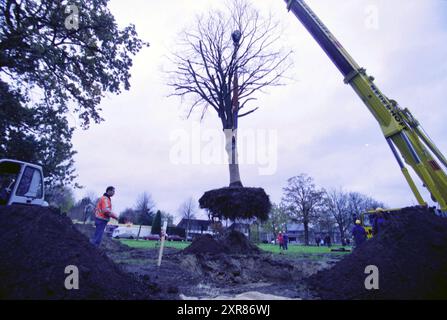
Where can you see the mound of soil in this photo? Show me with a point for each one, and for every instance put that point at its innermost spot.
(38, 244)
(205, 244)
(410, 253)
(237, 243)
(237, 202)
(233, 242)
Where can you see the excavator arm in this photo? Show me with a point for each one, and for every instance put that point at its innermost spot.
(409, 143)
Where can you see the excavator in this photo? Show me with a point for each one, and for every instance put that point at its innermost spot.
(21, 183)
(406, 138)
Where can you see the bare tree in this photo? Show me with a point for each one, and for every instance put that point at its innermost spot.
(188, 210)
(338, 205)
(144, 208)
(223, 61)
(325, 222)
(277, 221)
(359, 203)
(302, 200)
(168, 217)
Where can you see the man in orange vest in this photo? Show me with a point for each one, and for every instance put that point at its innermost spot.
(103, 213)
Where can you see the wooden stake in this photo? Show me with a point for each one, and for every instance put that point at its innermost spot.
(163, 234)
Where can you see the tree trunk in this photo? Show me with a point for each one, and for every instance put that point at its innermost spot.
(187, 231)
(233, 164)
(342, 235)
(306, 233)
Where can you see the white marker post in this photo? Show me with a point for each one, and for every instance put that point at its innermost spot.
(163, 234)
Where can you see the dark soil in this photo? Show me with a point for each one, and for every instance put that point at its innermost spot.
(38, 244)
(232, 264)
(232, 242)
(410, 253)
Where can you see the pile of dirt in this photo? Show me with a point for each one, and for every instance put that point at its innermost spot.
(205, 244)
(410, 253)
(238, 243)
(232, 242)
(37, 246)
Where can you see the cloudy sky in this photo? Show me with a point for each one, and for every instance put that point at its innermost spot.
(315, 125)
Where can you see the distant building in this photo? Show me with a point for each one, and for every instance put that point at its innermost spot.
(196, 227)
(199, 227)
(295, 232)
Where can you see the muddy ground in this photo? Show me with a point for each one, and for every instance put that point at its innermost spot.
(38, 244)
(209, 274)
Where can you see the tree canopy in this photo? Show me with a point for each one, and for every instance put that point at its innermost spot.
(57, 61)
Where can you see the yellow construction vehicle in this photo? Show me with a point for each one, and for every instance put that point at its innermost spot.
(402, 131)
(369, 219)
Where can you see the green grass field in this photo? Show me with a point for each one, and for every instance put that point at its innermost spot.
(154, 244)
(293, 249)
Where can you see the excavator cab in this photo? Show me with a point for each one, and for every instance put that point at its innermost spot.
(21, 183)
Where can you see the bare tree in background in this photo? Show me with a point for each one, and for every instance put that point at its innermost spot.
(338, 206)
(145, 203)
(144, 209)
(302, 200)
(188, 210)
(277, 221)
(223, 61)
(346, 207)
(166, 216)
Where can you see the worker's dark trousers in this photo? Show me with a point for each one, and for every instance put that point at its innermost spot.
(99, 231)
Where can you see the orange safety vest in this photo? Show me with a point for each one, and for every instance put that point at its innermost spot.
(103, 208)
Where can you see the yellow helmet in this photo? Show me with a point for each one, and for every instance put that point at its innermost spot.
(358, 222)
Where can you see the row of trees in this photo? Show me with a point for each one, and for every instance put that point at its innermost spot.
(323, 209)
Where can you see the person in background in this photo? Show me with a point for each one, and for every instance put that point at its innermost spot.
(285, 239)
(103, 213)
(327, 240)
(379, 222)
(359, 233)
(280, 240)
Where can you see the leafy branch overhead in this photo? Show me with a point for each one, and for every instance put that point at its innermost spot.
(48, 71)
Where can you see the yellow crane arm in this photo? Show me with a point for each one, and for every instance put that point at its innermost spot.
(402, 131)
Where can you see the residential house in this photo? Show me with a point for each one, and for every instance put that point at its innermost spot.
(196, 227)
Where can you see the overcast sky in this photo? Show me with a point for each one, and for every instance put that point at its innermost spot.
(315, 125)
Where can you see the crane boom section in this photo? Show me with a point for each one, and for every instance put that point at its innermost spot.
(399, 127)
